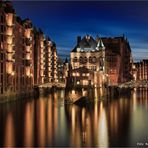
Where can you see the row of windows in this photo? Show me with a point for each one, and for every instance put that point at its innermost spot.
(85, 59)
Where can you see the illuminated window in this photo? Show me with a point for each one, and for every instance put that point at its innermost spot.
(94, 59)
(77, 74)
(78, 82)
(83, 74)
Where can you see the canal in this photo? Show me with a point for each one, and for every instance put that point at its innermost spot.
(47, 121)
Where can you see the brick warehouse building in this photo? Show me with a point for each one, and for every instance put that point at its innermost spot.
(108, 60)
(141, 70)
(22, 54)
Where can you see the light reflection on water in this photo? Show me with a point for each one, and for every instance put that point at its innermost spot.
(47, 121)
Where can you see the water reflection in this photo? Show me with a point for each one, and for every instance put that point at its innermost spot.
(47, 121)
(9, 131)
(29, 124)
(102, 129)
(139, 120)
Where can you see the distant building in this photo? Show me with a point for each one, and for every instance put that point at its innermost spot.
(54, 63)
(60, 70)
(109, 59)
(88, 56)
(66, 70)
(39, 57)
(141, 70)
(118, 59)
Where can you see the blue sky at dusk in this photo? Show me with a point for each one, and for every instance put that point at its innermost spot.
(63, 21)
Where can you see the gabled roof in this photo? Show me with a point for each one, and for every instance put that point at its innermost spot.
(86, 42)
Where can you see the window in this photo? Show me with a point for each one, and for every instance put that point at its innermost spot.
(94, 59)
(80, 59)
(90, 59)
(75, 59)
(85, 60)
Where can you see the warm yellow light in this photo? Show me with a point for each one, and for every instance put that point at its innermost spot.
(9, 19)
(9, 48)
(28, 56)
(9, 68)
(78, 82)
(42, 66)
(49, 49)
(83, 74)
(49, 74)
(73, 92)
(13, 73)
(27, 33)
(85, 82)
(42, 44)
(27, 48)
(9, 39)
(28, 71)
(41, 72)
(9, 56)
(78, 74)
(9, 31)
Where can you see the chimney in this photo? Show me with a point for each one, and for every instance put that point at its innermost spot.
(78, 39)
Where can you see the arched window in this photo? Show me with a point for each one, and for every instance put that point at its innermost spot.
(85, 60)
(75, 59)
(90, 59)
(80, 59)
(94, 59)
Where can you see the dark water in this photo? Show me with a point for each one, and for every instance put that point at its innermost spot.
(47, 121)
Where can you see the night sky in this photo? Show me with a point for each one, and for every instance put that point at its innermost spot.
(64, 21)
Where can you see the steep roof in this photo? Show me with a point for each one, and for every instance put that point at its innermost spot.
(86, 42)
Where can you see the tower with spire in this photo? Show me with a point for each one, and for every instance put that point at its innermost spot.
(101, 48)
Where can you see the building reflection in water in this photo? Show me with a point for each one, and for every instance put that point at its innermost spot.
(88, 124)
(47, 121)
(29, 124)
(139, 120)
(102, 129)
(9, 139)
